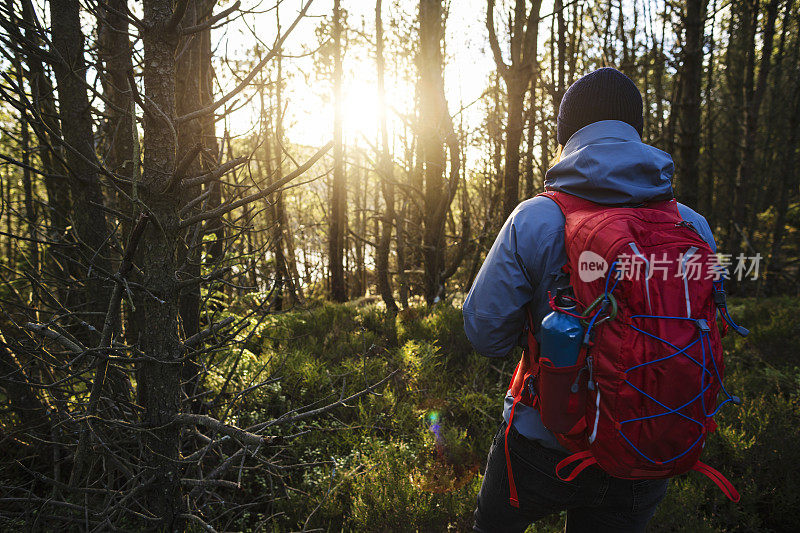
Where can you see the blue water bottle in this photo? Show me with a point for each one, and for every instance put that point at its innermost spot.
(561, 334)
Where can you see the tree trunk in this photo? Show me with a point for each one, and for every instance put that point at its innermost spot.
(48, 134)
(787, 175)
(76, 122)
(283, 232)
(386, 169)
(729, 136)
(358, 288)
(754, 95)
(432, 114)
(558, 8)
(530, 142)
(189, 98)
(516, 122)
(705, 201)
(20, 394)
(688, 171)
(284, 295)
(115, 51)
(121, 135)
(159, 376)
(524, 28)
(31, 217)
(338, 191)
(659, 64)
(9, 257)
(215, 225)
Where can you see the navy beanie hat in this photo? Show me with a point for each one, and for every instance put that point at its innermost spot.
(605, 94)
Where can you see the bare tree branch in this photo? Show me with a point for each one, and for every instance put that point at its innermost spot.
(214, 213)
(252, 74)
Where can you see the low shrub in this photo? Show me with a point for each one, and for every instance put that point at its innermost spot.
(409, 456)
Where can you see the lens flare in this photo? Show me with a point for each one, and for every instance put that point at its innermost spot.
(448, 466)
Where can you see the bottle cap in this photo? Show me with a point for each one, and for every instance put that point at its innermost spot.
(564, 297)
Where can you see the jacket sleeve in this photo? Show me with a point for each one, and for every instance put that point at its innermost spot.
(494, 308)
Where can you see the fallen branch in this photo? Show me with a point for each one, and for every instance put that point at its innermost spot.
(204, 482)
(245, 437)
(199, 521)
(325, 409)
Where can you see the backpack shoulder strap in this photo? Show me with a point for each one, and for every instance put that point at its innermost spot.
(568, 203)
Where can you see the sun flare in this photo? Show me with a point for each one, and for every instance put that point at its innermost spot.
(360, 110)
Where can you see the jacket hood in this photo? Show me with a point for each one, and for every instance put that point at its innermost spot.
(607, 163)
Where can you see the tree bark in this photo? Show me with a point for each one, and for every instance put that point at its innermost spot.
(386, 169)
(115, 51)
(659, 64)
(283, 236)
(121, 134)
(21, 396)
(338, 189)
(688, 170)
(215, 226)
(31, 217)
(76, 123)
(787, 175)
(282, 278)
(432, 114)
(189, 98)
(705, 201)
(517, 75)
(530, 141)
(48, 131)
(754, 95)
(159, 375)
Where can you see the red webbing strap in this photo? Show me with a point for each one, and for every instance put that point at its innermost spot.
(586, 459)
(527, 367)
(518, 372)
(721, 481)
(512, 487)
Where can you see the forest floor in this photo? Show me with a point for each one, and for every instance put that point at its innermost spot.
(409, 456)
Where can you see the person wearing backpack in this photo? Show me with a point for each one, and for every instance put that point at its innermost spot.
(599, 434)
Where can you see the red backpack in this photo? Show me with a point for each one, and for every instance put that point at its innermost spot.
(641, 398)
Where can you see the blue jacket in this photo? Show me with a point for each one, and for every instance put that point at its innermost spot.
(605, 162)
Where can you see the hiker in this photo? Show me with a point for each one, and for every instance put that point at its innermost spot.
(602, 159)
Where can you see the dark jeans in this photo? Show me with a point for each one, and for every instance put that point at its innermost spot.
(594, 501)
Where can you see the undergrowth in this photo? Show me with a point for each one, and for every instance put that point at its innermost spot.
(409, 455)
